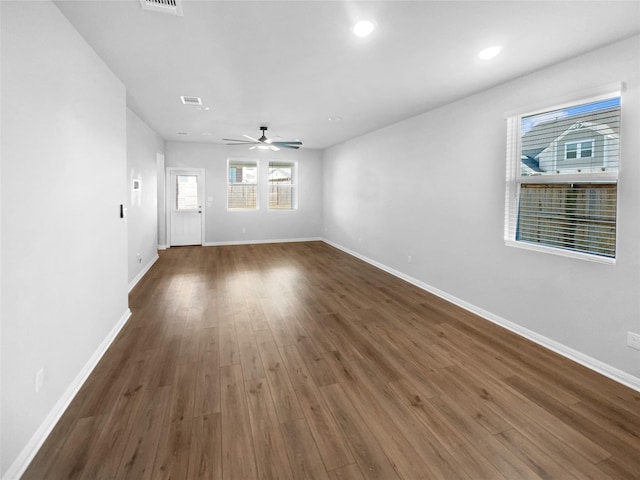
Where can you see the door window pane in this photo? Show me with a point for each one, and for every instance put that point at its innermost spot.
(187, 192)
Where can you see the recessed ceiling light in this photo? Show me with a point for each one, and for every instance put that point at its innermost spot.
(334, 119)
(490, 52)
(183, 133)
(203, 108)
(363, 28)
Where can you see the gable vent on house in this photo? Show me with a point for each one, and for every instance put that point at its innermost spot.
(190, 100)
(173, 7)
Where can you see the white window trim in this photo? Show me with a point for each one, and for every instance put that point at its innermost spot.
(514, 179)
(586, 96)
(560, 252)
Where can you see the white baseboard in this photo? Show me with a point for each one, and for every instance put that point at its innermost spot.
(596, 365)
(255, 242)
(163, 247)
(19, 466)
(142, 273)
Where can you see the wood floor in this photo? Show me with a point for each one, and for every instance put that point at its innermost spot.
(297, 361)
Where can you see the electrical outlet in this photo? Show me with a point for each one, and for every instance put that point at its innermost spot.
(39, 380)
(633, 340)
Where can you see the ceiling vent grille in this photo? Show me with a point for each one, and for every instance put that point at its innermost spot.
(173, 7)
(190, 100)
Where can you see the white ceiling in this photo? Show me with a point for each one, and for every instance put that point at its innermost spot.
(292, 64)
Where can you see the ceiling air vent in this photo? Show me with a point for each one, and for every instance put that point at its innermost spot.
(173, 7)
(190, 100)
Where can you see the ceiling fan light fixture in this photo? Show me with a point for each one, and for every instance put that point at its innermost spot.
(363, 28)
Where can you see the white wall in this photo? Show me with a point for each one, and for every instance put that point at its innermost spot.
(432, 187)
(64, 247)
(143, 147)
(260, 225)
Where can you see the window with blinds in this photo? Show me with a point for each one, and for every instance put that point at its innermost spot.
(242, 187)
(562, 174)
(282, 186)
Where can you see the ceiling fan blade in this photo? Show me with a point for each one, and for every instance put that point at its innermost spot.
(274, 148)
(272, 139)
(241, 143)
(281, 144)
(235, 140)
(288, 146)
(254, 147)
(252, 139)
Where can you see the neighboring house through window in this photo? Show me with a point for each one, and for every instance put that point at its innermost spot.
(562, 174)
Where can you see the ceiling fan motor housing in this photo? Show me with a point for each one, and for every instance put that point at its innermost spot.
(263, 138)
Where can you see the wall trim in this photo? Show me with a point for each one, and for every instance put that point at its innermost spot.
(585, 360)
(143, 272)
(19, 466)
(255, 242)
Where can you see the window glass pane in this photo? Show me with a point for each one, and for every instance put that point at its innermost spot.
(243, 174)
(586, 149)
(242, 190)
(186, 192)
(582, 138)
(281, 186)
(572, 150)
(578, 217)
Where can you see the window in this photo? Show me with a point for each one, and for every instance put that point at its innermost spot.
(242, 191)
(582, 149)
(562, 179)
(282, 186)
(186, 192)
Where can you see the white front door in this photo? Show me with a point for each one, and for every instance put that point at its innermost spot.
(186, 189)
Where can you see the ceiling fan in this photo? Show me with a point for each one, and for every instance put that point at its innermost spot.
(264, 143)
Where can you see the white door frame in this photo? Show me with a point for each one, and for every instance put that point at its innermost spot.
(186, 170)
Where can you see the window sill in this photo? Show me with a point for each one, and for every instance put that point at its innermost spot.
(559, 251)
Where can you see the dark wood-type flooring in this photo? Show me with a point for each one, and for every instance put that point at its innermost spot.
(298, 361)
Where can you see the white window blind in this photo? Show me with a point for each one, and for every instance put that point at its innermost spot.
(282, 179)
(562, 173)
(242, 189)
